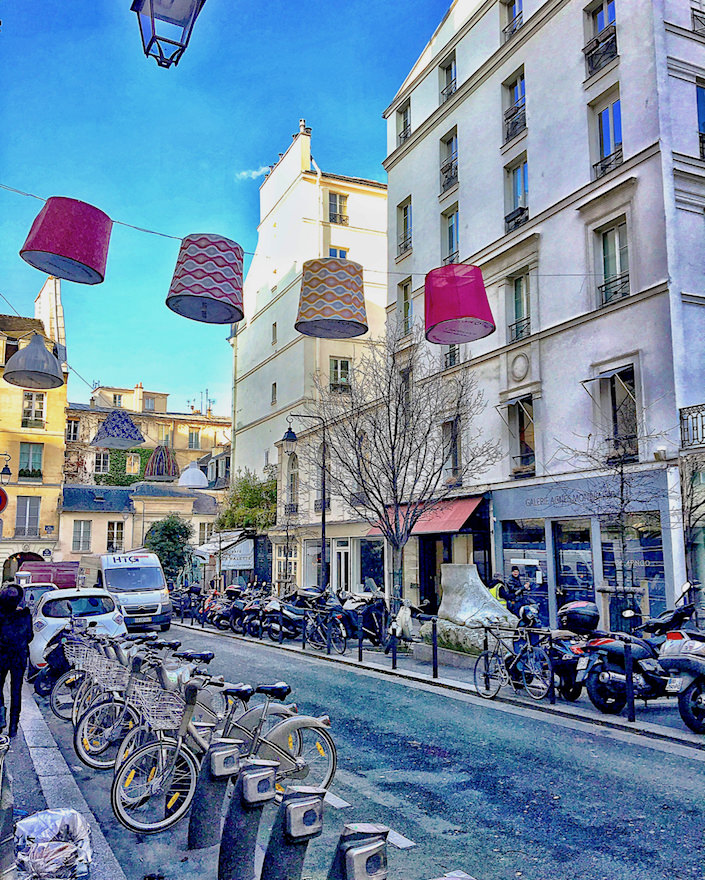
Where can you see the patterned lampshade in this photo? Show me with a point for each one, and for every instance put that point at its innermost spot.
(161, 465)
(207, 282)
(456, 305)
(332, 301)
(193, 477)
(118, 431)
(69, 239)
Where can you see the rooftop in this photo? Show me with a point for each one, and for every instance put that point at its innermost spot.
(18, 324)
(362, 181)
(115, 499)
(193, 416)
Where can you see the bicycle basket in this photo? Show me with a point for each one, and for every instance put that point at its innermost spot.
(161, 709)
(77, 654)
(109, 674)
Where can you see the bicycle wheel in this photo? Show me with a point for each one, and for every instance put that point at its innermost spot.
(139, 736)
(154, 787)
(100, 731)
(316, 634)
(316, 748)
(63, 693)
(536, 672)
(338, 637)
(87, 694)
(489, 674)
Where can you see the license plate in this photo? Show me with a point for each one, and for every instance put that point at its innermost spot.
(583, 662)
(674, 685)
(143, 619)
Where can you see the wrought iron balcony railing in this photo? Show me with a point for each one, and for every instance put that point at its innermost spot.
(451, 357)
(404, 243)
(340, 387)
(449, 172)
(608, 163)
(32, 423)
(337, 217)
(693, 426)
(26, 531)
(318, 505)
(624, 447)
(513, 26)
(616, 287)
(701, 136)
(404, 134)
(359, 499)
(514, 120)
(449, 90)
(601, 49)
(520, 329)
(291, 509)
(516, 218)
(451, 258)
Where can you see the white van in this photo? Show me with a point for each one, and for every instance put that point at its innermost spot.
(136, 582)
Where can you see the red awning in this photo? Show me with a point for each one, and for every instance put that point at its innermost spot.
(450, 516)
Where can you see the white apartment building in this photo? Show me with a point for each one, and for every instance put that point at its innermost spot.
(305, 213)
(559, 145)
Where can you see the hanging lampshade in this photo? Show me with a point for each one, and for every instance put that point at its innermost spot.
(332, 301)
(118, 431)
(193, 477)
(165, 26)
(456, 305)
(207, 282)
(161, 465)
(69, 239)
(33, 366)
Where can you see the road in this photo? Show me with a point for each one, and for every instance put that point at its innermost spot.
(496, 790)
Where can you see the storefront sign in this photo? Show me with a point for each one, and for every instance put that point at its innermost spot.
(239, 557)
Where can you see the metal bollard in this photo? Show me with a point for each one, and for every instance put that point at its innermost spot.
(434, 645)
(222, 760)
(629, 674)
(359, 637)
(361, 853)
(303, 630)
(393, 639)
(281, 626)
(551, 686)
(329, 630)
(8, 868)
(299, 820)
(255, 787)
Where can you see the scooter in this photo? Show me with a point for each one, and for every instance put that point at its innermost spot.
(682, 656)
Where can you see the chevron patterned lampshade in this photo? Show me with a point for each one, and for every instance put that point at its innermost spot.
(207, 282)
(332, 301)
(161, 465)
(456, 305)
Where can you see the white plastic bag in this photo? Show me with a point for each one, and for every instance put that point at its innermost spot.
(53, 845)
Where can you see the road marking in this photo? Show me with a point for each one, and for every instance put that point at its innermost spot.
(458, 875)
(336, 802)
(399, 841)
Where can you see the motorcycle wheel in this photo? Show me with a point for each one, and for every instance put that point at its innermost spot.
(254, 627)
(273, 631)
(44, 683)
(570, 689)
(222, 623)
(601, 698)
(236, 625)
(692, 713)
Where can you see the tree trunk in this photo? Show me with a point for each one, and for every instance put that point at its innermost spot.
(397, 556)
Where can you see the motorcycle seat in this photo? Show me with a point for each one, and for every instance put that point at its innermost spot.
(240, 691)
(562, 634)
(278, 691)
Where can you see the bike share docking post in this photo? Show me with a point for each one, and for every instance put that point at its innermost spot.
(222, 760)
(255, 786)
(629, 684)
(551, 684)
(299, 820)
(359, 636)
(8, 867)
(361, 853)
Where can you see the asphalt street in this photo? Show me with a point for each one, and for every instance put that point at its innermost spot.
(495, 790)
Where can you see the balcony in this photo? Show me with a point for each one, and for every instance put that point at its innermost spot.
(608, 163)
(451, 357)
(514, 120)
(513, 26)
(698, 22)
(318, 505)
(452, 257)
(359, 499)
(404, 243)
(449, 172)
(516, 218)
(291, 509)
(601, 49)
(340, 387)
(524, 465)
(27, 531)
(701, 136)
(621, 448)
(520, 329)
(693, 426)
(449, 90)
(404, 134)
(614, 288)
(32, 423)
(29, 475)
(337, 217)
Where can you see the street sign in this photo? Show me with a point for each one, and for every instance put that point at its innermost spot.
(46, 552)
(3, 500)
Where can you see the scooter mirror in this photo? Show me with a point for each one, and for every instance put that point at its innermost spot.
(628, 613)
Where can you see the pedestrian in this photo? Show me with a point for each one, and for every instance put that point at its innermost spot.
(15, 635)
(513, 592)
(497, 585)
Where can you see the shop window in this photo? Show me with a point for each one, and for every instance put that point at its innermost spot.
(574, 576)
(524, 546)
(287, 567)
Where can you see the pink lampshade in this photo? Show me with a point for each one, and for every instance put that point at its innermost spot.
(332, 300)
(456, 305)
(69, 239)
(207, 282)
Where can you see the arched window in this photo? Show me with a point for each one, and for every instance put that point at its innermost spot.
(293, 479)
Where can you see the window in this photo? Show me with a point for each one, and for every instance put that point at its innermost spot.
(102, 463)
(11, 347)
(116, 537)
(292, 505)
(450, 237)
(404, 227)
(514, 18)
(81, 536)
(602, 45)
(403, 122)
(164, 435)
(700, 93)
(405, 391)
(33, 409)
(274, 333)
(266, 458)
(698, 16)
(205, 530)
(287, 561)
(524, 457)
(615, 263)
(520, 308)
(31, 455)
(515, 114)
(194, 438)
(449, 81)
(149, 404)
(72, 429)
(341, 253)
(132, 463)
(518, 180)
(338, 208)
(339, 374)
(451, 356)
(117, 399)
(619, 407)
(274, 393)
(405, 306)
(27, 516)
(449, 161)
(609, 137)
(451, 447)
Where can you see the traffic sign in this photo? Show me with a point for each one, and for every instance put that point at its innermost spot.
(3, 500)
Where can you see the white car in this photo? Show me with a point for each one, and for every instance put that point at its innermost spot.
(56, 608)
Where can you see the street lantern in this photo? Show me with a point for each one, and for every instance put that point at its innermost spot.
(5, 473)
(289, 441)
(165, 27)
(34, 367)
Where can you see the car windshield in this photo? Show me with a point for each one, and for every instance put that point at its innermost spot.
(127, 579)
(78, 606)
(33, 594)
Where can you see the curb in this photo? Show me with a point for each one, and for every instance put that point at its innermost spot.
(645, 729)
(59, 787)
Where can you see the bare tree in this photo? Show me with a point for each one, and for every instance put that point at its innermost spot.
(692, 467)
(401, 437)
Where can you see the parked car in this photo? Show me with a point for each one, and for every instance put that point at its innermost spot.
(56, 608)
(34, 592)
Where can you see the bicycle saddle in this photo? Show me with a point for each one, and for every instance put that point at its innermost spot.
(202, 657)
(278, 691)
(241, 691)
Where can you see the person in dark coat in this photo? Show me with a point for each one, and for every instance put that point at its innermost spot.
(513, 592)
(15, 635)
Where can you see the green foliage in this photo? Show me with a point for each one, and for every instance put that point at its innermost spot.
(169, 539)
(251, 502)
(117, 475)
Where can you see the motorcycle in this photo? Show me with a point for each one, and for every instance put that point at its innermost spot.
(602, 663)
(682, 656)
(373, 608)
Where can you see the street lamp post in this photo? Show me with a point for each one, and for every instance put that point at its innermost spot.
(289, 442)
(5, 473)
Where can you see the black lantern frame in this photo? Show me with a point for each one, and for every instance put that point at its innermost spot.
(166, 26)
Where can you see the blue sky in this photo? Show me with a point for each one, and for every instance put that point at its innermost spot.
(84, 114)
